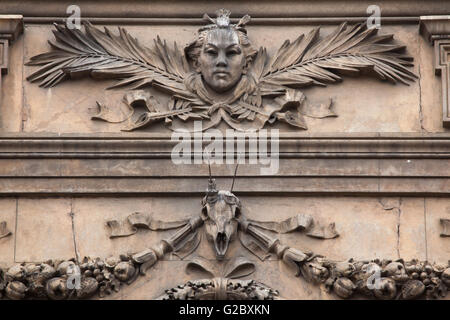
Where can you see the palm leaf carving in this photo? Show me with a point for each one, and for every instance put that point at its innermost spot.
(104, 55)
(310, 61)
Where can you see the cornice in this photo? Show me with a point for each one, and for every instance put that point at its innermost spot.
(195, 9)
(140, 164)
(295, 145)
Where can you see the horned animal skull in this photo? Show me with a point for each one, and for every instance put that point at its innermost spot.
(219, 212)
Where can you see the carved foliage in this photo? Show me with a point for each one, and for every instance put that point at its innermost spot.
(220, 289)
(264, 91)
(60, 280)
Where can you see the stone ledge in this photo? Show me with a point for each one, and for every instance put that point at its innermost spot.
(195, 9)
(122, 164)
(178, 186)
(290, 146)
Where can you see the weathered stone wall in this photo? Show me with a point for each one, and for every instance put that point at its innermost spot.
(388, 227)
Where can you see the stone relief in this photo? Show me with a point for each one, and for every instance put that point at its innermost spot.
(223, 220)
(4, 232)
(11, 27)
(223, 285)
(436, 29)
(445, 223)
(220, 76)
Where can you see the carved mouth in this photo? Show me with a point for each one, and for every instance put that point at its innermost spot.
(221, 245)
(221, 73)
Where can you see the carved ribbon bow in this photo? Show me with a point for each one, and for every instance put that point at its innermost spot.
(223, 283)
(236, 268)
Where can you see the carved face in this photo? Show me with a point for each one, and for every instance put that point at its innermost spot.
(221, 61)
(219, 212)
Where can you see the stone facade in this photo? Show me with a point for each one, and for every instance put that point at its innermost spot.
(379, 170)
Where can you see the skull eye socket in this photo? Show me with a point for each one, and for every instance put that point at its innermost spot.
(211, 198)
(230, 199)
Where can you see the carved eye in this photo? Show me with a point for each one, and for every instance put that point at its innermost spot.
(211, 52)
(233, 52)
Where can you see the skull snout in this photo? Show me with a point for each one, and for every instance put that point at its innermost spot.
(221, 240)
(221, 244)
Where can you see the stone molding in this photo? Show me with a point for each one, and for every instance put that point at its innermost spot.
(264, 8)
(140, 164)
(302, 144)
(11, 26)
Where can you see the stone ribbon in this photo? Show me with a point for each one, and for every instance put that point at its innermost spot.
(445, 223)
(4, 232)
(237, 267)
(300, 222)
(137, 220)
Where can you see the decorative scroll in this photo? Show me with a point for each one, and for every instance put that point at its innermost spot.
(140, 220)
(4, 232)
(445, 223)
(436, 29)
(11, 27)
(301, 222)
(247, 91)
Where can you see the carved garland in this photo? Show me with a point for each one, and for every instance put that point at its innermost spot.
(384, 279)
(399, 280)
